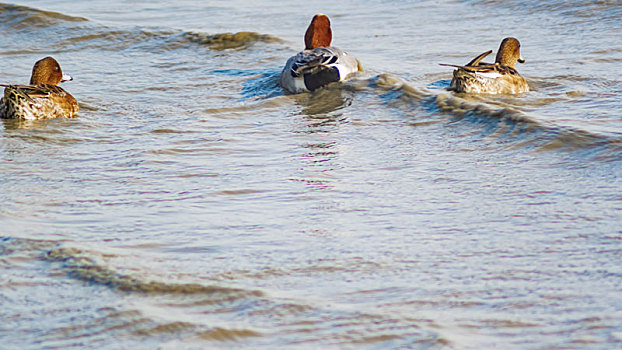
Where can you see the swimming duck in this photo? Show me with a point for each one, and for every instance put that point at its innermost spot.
(42, 99)
(319, 63)
(498, 78)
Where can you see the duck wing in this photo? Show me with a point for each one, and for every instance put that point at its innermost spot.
(309, 61)
(34, 91)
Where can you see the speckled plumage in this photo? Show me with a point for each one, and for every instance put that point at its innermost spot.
(42, 99)
(500, 77)
(506, 82)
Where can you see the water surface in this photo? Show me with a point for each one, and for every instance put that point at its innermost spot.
(194, 205)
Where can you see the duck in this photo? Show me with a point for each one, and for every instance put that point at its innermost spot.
(500, 77)
(42, 98)
(319, 64)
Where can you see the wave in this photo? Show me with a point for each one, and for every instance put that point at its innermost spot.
(82, 265)
(603, 10)
(160, 41)
(90, 266)
(160, 311)
(20, 255)
(505, 120)
(223, 41)
(65, 33)
(547, 135)
(26, 18)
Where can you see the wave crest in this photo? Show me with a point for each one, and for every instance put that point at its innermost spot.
(26, 18)
(81, 265)
(223, 41)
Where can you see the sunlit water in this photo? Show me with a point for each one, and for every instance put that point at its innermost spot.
(193, 205)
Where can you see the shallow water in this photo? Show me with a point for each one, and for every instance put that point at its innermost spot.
(194, 205)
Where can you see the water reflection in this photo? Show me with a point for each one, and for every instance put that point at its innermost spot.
(16, 124)
(320, 103)
(318, 164)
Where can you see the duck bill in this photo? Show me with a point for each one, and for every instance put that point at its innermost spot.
(521, 59)
(66, 77)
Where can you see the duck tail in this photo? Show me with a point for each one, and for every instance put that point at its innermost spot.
(476, 60)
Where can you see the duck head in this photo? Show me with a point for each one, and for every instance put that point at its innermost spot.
(47, 71)
(509, 53)
(319, 33)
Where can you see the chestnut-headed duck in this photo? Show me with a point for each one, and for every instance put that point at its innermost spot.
(42, 98)
(319, 63)
(488, 78)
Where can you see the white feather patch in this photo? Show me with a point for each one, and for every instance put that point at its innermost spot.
(490, 75)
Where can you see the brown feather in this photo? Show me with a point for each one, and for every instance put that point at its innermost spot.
(318, 33)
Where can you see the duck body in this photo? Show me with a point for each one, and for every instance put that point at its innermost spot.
(500, 77)
(312, 69)
(37, 102)
(42, 98)
(488, 79)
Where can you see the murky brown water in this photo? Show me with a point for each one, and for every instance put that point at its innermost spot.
(193, 205)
